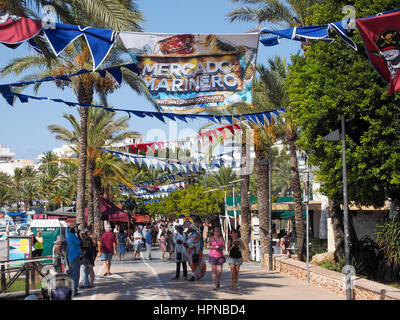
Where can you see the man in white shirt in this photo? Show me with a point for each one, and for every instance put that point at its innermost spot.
(180, 252)
(160, 230)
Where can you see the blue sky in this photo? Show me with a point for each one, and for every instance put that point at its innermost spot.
(23, 127)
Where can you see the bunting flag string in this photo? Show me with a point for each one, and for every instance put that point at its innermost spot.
(182, 143)
(155, 163)
(342, 28)
(257, 119)
(157, 191)
(163, 179)
(272, 37)
(115, 72)
(14, 30)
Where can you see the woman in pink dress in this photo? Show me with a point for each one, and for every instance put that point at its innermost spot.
(216, 244)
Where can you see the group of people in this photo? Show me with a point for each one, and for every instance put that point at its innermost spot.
(76, 254)
(188, 246)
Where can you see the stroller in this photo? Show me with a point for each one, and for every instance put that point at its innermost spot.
(60, 287)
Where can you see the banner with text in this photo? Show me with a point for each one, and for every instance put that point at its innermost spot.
(194, 72)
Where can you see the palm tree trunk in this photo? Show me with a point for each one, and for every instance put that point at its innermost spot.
(262, 205)
(85, 95)
(295, 183)
(337, 225)
(245, 204)
(336, 215)
(90, 192)
(98, 223)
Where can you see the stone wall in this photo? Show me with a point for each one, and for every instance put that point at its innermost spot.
(334, 281)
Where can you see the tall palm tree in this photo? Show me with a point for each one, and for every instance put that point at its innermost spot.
(104, 169)
(272, 80)
(113, 14)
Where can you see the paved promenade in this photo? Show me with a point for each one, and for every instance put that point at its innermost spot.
(152, 280)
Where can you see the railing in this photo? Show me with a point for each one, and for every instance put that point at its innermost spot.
(32, 269)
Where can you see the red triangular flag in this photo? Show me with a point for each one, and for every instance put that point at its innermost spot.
(381, 37)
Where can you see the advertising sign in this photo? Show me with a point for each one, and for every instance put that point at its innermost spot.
(19, 248)
(255, 229)
(192, 72)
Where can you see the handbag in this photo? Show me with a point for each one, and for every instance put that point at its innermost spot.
(235, 253)
(223, 259)
(195, 257)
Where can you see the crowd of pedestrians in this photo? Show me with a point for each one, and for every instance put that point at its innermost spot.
(183, 244)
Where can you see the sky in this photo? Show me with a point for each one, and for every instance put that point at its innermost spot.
(23, 127)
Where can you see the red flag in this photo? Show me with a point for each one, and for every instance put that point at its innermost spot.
(15, 29)
(381, 37)
(133, 147)
(221, 130)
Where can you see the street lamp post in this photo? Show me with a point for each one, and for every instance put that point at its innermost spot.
(335, 136)
(345, 213)
(233, 194)
(306, 201)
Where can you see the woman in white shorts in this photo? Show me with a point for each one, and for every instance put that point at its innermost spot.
(235, 246)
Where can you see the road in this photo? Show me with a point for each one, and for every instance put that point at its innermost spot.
(152, 280)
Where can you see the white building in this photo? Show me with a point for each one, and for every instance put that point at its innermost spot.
(8, 163)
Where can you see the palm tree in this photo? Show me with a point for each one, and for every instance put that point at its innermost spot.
(48, 157)
(223, 177)
(281, 181)
(272, 80)
(293, 13)
(114, 14)
(104, 169)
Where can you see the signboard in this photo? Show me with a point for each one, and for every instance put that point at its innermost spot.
(19, 248)
(192, 72)
(255, 228)
(186, 221)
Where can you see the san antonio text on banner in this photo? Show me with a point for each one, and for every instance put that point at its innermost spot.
(191, 101)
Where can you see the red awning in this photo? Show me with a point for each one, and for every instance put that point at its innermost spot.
(137, 218)
(110, 212)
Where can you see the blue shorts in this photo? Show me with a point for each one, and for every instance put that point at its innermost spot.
(106, 256)
(121, 249)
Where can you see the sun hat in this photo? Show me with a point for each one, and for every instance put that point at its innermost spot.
(59, 239)
(193, 227)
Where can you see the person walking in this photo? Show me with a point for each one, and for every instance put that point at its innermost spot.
(170, 244)
(195, 253)
(58, 255)
(205, 234)
(87, 261)
(121, 237)
(216, 244)
(94, 242)
(108, 248)
(160, 230)
(235, 246)
(180, 252)
(137, 243)
(149, 242)
(163, 244)
(74, 254)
